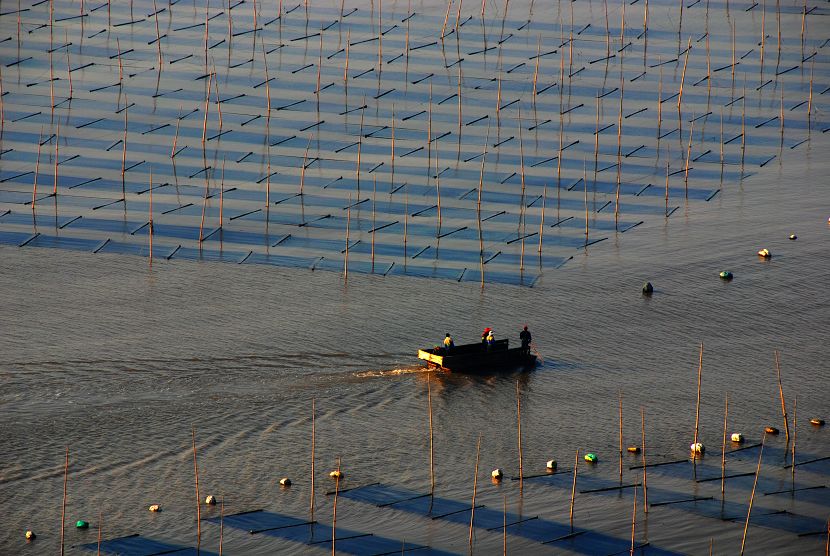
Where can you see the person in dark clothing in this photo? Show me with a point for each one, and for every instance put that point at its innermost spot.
(526, 338)
(484, 338)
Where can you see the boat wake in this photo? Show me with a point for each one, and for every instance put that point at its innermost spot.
(392, 372)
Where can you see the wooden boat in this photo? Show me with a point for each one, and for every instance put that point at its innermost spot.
(476, 358)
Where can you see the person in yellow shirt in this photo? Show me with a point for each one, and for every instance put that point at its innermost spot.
(448, 343)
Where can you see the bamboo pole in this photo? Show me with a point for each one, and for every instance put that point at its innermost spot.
(659, 106)
(504, 525)
(346, 67)
(222, 196)
(519, 424)
(795, 437)
(688, 156)
(360, 148)
(643, 452)
(697, 405)
(57, 143)
(621, 437)
(596, 139)
(176, 136)
(207, 104)
(763, 36)
(221, 523)
(150, 226)
(521, 202)
(37, 169)
(123, 149)
(723, 448)
(619, 159)
(198, 498)
(542, 219)
(475, 486)
(682, 81)
(536, 68)
(573, 490)
(585, 189)
(743, 128)
(348, 225)
(438, 187)
(334, 511)
(431, 444)
(733, 55)
(810, 97)
(158, 34)
(63, 504)
(478, 204)
(69, 71)
(667, 188)
(100, 525)
(633, 521)
(392, 154)
(374, 202)
(313, 443)
(752, 496)
(781, 395)
(446, 18)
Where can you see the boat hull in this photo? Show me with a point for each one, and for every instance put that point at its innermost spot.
(476, 359)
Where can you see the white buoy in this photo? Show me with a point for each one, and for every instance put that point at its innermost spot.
(155, 508)
(285, 481)
(497, 474)
(30, 535)
(336, 474)
(697, 448)
(764, 253)
(737, 437)
(210, 500)
(551, 465)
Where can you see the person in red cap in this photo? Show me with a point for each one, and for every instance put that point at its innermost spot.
(484, 337)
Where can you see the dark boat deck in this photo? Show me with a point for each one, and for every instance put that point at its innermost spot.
(477, 358)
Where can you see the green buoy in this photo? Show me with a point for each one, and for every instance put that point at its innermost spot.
(591, 458)
(81, 524)
(648, 289)
(726, 275)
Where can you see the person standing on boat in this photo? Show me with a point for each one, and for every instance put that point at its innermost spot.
(525, 337)
(484, 337)
(448, 343)
(491, 341)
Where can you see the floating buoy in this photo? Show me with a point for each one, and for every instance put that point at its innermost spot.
(793, 237)
(30, 535)
(496, 474)
(764, 253)
(634, 449)
(817, 422)
(648, 289)
(726, 275)
(286, 482)
(336, 474)
(155, 508)
(591, 458)
(697, 448)
(771, 430)
(737, 437)
(551, 465)
(210, 500)
(81, 524)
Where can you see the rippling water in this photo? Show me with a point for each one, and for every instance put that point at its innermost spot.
(120, 363)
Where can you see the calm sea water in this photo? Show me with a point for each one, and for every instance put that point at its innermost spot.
(120, 362)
